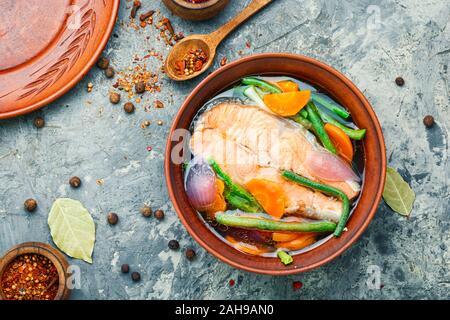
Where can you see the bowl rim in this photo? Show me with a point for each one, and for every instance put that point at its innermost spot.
(196, 6)
(43, 249)
(379, 135)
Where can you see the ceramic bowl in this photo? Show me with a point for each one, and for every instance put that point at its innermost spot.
(56, 257)
(324, 78)
(196, 11)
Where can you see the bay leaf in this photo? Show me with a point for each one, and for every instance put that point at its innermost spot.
(397, 194)
(72, 228)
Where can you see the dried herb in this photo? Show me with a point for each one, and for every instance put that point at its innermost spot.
(397, 194)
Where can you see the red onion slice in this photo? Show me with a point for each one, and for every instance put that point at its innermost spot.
(200, 184)
(326, 166)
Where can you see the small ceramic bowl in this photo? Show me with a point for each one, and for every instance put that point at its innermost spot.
(196, 11)
(56, 257)
(326, 79)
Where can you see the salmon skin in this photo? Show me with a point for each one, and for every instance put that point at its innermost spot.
(251, 143)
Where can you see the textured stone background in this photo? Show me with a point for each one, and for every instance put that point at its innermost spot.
(372, 42)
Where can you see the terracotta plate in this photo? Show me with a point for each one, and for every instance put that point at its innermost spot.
(47, 46)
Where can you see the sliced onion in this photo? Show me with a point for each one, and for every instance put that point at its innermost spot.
(200, 184)
(326, 166)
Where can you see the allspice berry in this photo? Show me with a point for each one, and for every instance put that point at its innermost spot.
(75, 182)
(103, 63)
(128, 107)
(146, 211)
(428, 121)
(136, 276)
(174, 245)
(140, 87)
(114, 97)
(190, 254)
(400, 81)
(109, 72)
(39, 122)
(159, 214)
(125, 268)
(30, 205)
(113, 218)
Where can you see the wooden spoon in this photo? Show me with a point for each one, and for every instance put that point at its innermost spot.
(207, 42)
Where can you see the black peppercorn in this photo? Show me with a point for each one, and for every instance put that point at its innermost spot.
(146, 211)
(30, 205)
(103, 63)
(109, 72)
(159, 214)
(428, 121)
(128, 107)
(125, 268)
(75, 182)
(114, 97)
(190, 254)
(174, 245)
(140, 87)
(400, 81)
(113, 218)
(136, 276)
(39, 122)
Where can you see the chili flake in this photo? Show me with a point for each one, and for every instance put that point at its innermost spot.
(192, 62)
(30, 277)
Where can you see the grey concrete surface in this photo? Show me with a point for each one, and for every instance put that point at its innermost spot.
(370, 41)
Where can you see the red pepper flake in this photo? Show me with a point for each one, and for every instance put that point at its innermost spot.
(149, 148)
(247, 44)
(30, 277)
(232, 282)
(297, 285)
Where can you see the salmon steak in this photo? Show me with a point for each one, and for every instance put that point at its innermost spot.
(251, 143)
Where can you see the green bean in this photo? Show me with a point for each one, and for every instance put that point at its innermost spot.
(267, 86)
(337, 109)
(353, 134)
(327, 190)
(304, 122)
(234, 193)
(319, 128)
(303, 113)
(284, 257)
(247, 222)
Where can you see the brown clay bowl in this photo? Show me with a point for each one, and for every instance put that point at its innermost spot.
(56, 257)
(196, 11)
(338, 87)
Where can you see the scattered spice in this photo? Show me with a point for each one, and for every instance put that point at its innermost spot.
(160, 123)
(146, 123)
(114, 97)
(39, 122)
(174, 245)
(128, 80)
(159, 214)
(232, 282)
(297, 285)
(192, 62)
(136, 276)
(30, 205)
(159, 104)
(400, 81)
(110, 72)
(113, 218)
(75, 182)
(129, 107)
(149, 148)
(136, 6)
(125, 268)
(223, 61)
(428, 121)
(90, 85)
(140, 87)
(146, 211)
(190, 254)
(147, 15)
(103, 63)
(30, 277)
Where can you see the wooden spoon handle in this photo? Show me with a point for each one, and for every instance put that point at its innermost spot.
(218, 35)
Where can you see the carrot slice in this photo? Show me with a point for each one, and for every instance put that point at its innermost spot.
(288, 86)
(301, 242)
(287, 104)
(284, 237)
(341, 141)
(219, 204)
(269, 195)
(245, 247)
